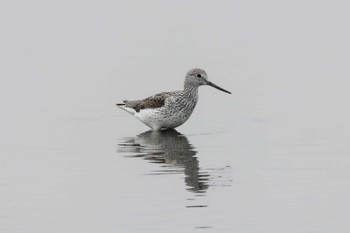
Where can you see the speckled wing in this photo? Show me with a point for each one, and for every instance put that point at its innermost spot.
(155, 101)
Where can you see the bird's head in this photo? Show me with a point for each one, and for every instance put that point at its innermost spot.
(198, 77)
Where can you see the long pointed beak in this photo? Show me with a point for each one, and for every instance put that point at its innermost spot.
(217, 87)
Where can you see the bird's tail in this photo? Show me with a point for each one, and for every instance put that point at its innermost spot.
(123, 106)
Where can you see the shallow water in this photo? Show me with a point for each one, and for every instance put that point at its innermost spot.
(271, 157)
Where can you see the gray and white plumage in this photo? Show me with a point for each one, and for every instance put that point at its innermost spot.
(168, 110)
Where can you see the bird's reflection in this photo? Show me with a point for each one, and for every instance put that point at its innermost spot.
(173, 150)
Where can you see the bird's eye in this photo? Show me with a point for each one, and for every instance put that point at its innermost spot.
(198, 75)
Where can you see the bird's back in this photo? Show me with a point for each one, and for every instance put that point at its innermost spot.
(152, 102)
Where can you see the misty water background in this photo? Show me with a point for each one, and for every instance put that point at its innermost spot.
(272, 157)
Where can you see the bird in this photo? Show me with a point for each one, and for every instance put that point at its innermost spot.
(168, 110)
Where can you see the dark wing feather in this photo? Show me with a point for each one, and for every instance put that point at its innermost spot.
(155, 101)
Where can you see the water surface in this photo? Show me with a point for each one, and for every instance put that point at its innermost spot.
(272, 157)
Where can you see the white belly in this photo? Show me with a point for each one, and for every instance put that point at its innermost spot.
(157, 119)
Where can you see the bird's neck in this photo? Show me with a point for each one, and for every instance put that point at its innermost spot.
(191, 90)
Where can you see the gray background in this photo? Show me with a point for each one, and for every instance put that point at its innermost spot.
(274, 155)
